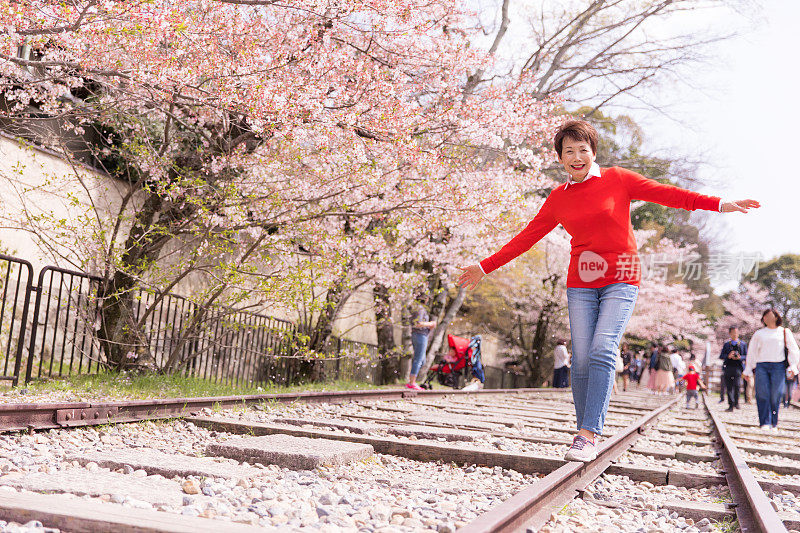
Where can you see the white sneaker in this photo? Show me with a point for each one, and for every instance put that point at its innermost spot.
(474, 386)
(582, 449)
(774, 429)
(764, 428)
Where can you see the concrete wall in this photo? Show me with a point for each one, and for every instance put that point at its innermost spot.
(39, 190)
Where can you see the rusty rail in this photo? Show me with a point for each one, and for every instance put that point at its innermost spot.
(33, 416)
(753, 508)
(532, 507)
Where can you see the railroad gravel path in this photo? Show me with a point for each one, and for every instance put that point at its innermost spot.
(667, 482)
(381, 492)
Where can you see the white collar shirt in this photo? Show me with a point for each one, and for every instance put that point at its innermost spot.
(594, 172)
(560, 356)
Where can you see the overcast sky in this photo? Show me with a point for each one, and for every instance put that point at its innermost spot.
(744, 116)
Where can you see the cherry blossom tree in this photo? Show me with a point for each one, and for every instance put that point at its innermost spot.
(267, 149)
(665, 307)
(743, 308)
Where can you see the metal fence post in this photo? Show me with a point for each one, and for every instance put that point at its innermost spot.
(35, 324)
(29, 288)
(338, 358)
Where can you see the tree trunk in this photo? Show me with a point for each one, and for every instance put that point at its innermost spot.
(124, 342)
(536, 359)
(437, 337)
(407, 350)
(320, 332)
(153, 226)
(539, 365)
(390, 361)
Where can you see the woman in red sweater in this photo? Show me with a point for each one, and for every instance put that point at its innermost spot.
(604, 269)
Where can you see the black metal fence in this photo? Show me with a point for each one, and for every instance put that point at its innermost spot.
(52, 329)
(63, 339)
(17, 283)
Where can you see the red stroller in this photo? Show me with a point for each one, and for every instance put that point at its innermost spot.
(462, 361)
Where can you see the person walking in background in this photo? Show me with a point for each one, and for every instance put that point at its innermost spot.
(749, 388)
(678, 365)
(421, 328)
(604, 273)
(692, 380)
(627, 363)
(640, 366)
(773, 356)
(652, 367)
(665, 381)
(634, 369)
(561, 365)
(787, 395)
(733, 355)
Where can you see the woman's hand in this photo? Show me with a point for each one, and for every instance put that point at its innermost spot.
(470, 276)
(740, 205)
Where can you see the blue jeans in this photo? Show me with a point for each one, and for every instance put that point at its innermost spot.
(561, 377)
(787, 395)
(420, 342)
(597, 320)
(770, 382)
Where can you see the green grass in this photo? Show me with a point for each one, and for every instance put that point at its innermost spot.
(567, 511)
(728, 526)
(143, 386)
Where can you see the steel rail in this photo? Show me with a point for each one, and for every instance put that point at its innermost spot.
(36, 416)
(533, 506)
(753, 509)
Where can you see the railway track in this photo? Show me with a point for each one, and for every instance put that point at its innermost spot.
(432, 460)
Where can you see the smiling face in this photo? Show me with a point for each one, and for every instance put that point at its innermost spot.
(577, 157)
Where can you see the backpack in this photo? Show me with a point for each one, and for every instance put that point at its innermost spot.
(664, 362)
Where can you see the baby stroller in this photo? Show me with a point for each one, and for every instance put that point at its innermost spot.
(462, 362)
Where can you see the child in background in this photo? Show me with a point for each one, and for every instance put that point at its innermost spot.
(692, 379)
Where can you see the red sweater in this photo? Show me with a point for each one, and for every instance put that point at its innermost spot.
(596, 213)
(691, 380)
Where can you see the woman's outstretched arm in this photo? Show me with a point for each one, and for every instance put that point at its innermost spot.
(641, 188)
(542, 224)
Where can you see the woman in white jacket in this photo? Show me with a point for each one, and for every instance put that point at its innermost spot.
(770, 364)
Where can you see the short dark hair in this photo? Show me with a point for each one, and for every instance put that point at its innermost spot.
(577, 130)
(732, 328)
(778, 319)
